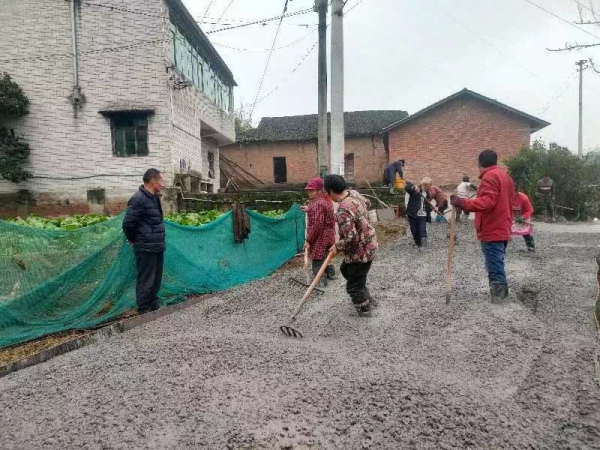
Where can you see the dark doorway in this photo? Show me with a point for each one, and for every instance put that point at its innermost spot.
(279, 169)
(349, 167)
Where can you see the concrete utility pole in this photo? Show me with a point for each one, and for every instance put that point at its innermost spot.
(321, 7)
(580, 136)
(337, 87)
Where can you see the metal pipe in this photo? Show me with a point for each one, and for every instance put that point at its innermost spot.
(74, 41)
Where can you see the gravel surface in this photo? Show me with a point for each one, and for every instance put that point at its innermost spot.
(417, 374)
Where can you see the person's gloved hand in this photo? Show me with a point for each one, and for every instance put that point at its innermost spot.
(519, 220)
(455, 200)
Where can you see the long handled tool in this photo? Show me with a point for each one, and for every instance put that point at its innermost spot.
(450, 257)
(437, 211)
(286, 329)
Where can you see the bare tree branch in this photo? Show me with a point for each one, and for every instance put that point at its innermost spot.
(569, 47)
(593, 66)
(589, 22)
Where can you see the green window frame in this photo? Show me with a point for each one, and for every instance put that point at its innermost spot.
(130, 135)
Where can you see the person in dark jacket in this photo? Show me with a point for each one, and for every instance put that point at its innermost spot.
(391, 171)
(493, 209)
(417, 212)
(144, 228)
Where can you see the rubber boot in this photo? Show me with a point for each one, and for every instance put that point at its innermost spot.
(499, 293)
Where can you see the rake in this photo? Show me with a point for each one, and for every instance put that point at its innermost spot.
(287, 329)
(307, 274)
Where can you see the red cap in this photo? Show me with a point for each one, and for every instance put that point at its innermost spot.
(316, 184)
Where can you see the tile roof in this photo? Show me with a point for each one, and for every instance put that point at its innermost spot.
(299, 128)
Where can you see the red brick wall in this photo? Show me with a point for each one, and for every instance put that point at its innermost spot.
(370, 158)
(444, 143)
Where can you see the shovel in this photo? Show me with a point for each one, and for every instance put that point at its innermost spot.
(288, 330)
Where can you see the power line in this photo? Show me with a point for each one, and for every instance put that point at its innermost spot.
(270, 19)
(485, 41)
(560, 91)
(302, 60)
(562, 19)
(262, 79)
(120, 9)
(89, 52)
(206, 11)
(225, 10)
(306, 55)
(266, 49)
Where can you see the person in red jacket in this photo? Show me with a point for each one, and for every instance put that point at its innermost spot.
(493, 219)
(522, 212)
(320, 230)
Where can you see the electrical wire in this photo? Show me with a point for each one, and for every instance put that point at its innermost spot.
(562, 19)
(206, 11)
(225, 10)
(306, 55)
(302, 60)
(270, 19)
(266, 49)
(89, 52)
(262, 79)
(560, 91)
(119, 9)
(476, 35)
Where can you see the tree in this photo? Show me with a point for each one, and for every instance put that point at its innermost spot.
(575, 179)
(588, 16)
(14, 151)
(243, 122)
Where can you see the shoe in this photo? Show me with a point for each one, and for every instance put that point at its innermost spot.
(499, 293)
(363, 308)
(332, 277)
(531, 249)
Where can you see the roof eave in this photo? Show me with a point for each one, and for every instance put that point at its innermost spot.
(537, 123)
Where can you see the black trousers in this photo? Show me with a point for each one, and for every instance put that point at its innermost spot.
(149, 278)
(356, 279)
(316, 266)
(418, 228)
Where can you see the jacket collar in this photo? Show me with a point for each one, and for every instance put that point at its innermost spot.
(486, 170)
(147, 192)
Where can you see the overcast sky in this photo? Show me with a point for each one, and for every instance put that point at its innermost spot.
(402, 54)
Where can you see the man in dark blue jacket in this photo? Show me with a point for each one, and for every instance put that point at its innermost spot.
(143, 226)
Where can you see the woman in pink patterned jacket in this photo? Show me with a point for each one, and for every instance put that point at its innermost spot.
(357, 240)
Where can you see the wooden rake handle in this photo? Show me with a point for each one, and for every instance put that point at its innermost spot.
(312, 285)
(450, 257)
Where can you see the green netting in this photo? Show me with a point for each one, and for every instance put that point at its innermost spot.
(54, 280)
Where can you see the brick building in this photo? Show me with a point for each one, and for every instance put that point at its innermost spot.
(443, 140)
(145, 89)
(284, 149)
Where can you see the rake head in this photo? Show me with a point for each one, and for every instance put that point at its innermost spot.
(316, 290)
(290, 332)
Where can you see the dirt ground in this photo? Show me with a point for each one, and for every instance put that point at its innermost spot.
(417, 374)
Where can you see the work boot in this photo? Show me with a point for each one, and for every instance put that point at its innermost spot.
(530, 249)
(374, 303)
(499, 293)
